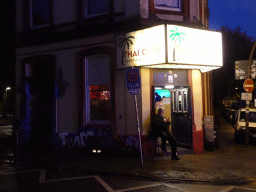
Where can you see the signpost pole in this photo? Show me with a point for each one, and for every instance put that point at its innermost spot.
(248, 87)
(133, 85)
(247, 124)
(138, 124)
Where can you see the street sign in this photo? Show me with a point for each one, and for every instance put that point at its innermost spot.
(248, 85)
(133, 79)
(241, 69)
(134, 92)
(246, 96)
(133, 85)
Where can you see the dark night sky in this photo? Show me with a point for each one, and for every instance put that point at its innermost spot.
(233, 13)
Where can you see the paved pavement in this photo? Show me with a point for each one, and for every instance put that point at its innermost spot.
(229, 163)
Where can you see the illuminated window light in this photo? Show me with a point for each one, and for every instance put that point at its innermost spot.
(169, 86)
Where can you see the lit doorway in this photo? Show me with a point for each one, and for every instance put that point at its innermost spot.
(176, 103)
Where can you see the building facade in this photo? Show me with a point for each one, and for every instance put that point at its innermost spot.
(71, 61)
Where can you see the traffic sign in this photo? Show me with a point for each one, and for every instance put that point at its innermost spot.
(248, 85)
(134, 92)
(133, 79)
(246, 96)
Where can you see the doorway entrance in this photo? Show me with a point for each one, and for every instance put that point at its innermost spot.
(40, 101)
(176, 103)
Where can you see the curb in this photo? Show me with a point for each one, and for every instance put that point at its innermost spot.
(162, 177)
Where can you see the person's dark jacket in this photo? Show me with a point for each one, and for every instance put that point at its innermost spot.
(159, 126)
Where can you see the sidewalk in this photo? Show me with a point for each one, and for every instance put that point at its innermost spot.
(230, 163)
(207, 167)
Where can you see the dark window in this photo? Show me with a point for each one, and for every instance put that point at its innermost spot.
(39, 13)
(252, 116)
(169, 5)
(96, 7)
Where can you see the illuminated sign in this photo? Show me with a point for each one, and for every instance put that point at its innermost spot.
(170, 46)
(194, 46)
(143, 47)
(241, 69)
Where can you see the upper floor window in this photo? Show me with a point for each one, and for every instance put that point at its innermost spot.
(39, 13)
(96, 7)
(168, 5)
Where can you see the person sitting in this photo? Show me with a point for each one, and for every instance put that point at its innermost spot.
(161, 129)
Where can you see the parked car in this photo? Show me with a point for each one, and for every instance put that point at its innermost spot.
(240, 124)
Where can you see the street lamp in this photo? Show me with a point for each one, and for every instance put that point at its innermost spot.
(5, 94)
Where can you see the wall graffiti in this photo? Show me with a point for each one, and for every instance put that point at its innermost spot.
(75, 141)
(91, 138)
(96, 138)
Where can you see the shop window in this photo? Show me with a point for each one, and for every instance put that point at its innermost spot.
(39, 13)
(168, 5)
(94, 8)
(97, 89)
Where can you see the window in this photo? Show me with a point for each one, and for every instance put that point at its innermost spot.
(99, 102)
(169, 5)
(96, 7)
(180, 100)
(39, 13)
(185, 101)
(97, 90)
(252, 116)
(174, 101)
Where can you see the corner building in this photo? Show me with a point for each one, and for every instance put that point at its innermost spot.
(71, 58)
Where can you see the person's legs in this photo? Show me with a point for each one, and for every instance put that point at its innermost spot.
(173, 144)
(163, 145)
(164, 137)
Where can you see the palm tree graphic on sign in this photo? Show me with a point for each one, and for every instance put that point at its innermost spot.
(176, 36)
(123, 42)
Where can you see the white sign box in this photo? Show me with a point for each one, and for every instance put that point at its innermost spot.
(143, 47)
(170, 46)
(194, 46)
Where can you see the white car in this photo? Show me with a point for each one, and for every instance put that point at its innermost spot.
(240, 124)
